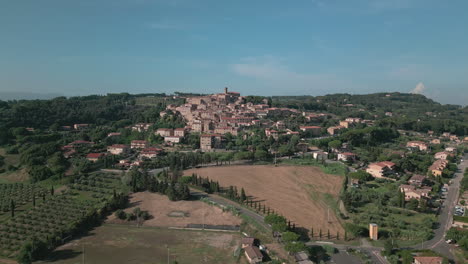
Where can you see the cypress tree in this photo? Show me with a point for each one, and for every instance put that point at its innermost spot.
(312, 232)
(338, 235)
(12, 208)
(52, 190)
(328, 234)
(320, 233)
(34, 200)
(243, 196)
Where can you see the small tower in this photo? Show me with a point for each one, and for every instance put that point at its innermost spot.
(225, 90)
(373, 231)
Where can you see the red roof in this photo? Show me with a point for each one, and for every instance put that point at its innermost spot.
(139, 142)
(118, 146)
(348, 154)
(152, 149)
(429, 260)
(81, 142)
(95, 155)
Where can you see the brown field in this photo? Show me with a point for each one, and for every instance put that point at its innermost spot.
(159, 206)
(115, 244)
(300, 193)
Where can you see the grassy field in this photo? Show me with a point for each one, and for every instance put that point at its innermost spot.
(19, 175)
(109, 244)
(302, 194)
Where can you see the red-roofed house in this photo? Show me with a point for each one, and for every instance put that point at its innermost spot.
(118, 149)
(139, 144)
(417, 144)
(380, 169)
(253, 254)
(164, 132)
(179, 132)
(428, 260)
(150, 153)
(93, 157)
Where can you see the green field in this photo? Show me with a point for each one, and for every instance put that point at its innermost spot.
(109, 244)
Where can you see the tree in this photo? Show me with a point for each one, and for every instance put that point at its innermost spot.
(334, 144)
(412, 204)
(295, 246)
(388, 247)
(12, 208)
(52, 190)
(289, 236)
(243, 197)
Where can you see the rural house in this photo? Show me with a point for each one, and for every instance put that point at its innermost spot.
(253, 254)
(437, 168)
(164, 132)
(381, 169)
(139, 144)
(346, 156)
(247, 242)
(93, 157)
(118, 149)
(417, 145)
(428, 260)
(417, 180)
(411, 192)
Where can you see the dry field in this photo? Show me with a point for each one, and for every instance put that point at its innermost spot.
(119, 244)
(300, 193)
(160, 207)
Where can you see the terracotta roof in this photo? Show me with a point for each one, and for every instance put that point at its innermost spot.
(118, 146)
(95, 155)
(247, 240)
(429, 260)
(253, 252)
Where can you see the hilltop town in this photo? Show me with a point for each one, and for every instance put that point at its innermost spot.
(378, 171)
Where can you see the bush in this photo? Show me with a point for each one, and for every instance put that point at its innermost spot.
(120, 214)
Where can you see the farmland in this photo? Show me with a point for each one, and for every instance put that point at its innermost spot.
(123, 244)
(300, 193)
(194, 212)
(34, 220)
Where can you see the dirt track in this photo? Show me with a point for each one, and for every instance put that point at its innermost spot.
(297, 192)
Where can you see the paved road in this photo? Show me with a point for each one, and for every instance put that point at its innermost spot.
(446, 215)
(373, 252)
(344, 257)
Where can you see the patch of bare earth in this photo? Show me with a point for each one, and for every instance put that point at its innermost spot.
(297, 192)
(160, 207)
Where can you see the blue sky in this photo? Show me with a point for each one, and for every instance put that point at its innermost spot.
(311, 47)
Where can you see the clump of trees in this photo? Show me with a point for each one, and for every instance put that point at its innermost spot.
(142, 181)
(136, 214)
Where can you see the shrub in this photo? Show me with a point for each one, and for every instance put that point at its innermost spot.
(120, 214)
